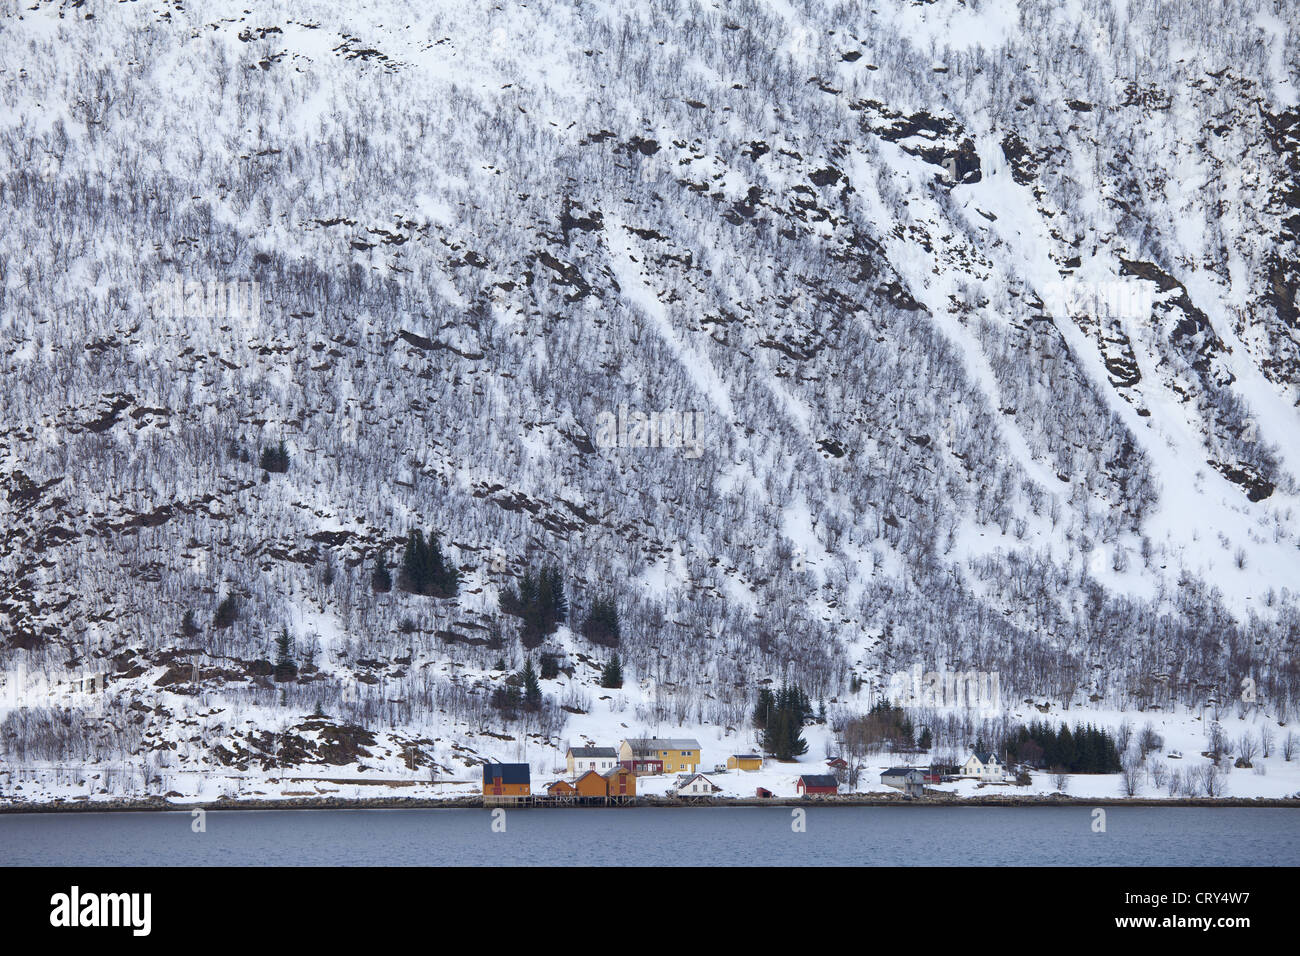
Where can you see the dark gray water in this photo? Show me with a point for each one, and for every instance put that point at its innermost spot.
(849, 836)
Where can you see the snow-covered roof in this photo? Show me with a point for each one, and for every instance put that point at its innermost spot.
(593, 752)
(647, 745)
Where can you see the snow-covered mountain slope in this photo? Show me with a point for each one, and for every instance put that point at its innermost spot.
(982, 316)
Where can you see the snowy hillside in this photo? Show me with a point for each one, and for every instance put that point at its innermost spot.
(968, 330)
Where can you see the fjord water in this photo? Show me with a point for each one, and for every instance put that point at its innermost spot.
(843, 836)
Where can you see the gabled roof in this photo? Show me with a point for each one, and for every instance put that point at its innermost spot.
(685, 778)
(900, 771)
(616, 771)
(985, 756)
(651, 745)
(819, 780)
(747, 756)
(508, 772)
(558, 784)
(593, 752)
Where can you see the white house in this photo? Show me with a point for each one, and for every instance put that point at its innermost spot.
(695, 785)
(983, 765)
(582, 759)
(911, 780)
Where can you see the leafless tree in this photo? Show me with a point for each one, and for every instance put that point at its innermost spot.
(1131, 778)
(1175, 783)
(1124, 736)
(1216, 741)
(1159, 773)
(1213, 780)
(1149, 740)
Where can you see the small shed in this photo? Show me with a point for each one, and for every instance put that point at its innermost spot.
(745, 762)
(561, 790)
(811, 784)
(763, 793)
(620, 784)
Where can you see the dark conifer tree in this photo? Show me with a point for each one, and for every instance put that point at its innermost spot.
(285, 668)
(539, 602)
(381, 579)
(601, 626)
(424, 570)
(764, 708)
(532, 689)
(227, 612)
(613, 674)
(275, 459)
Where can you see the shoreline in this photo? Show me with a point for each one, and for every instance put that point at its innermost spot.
(162, 805)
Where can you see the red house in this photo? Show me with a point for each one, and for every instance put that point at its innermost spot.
(815, 783)
(763, 793)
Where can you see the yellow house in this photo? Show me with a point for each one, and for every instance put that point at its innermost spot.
(660, 755)
(745, 762)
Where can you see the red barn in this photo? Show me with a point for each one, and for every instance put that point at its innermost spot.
(815, 783)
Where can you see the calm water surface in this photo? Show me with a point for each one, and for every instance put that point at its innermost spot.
(844, 836)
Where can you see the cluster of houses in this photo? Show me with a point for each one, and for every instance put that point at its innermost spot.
(608, 774)
(982, 765)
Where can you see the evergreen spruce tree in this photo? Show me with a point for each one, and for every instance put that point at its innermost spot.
(444, 579)
(424, 570)
(380, 579)
(413, 575)
(1066, 754)
(782, 736)
(285, 668)
(227, 612)
(532, 689)
(275, 459)
(764, 708)
(539, 602)
(613, 674)
(601, 626)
